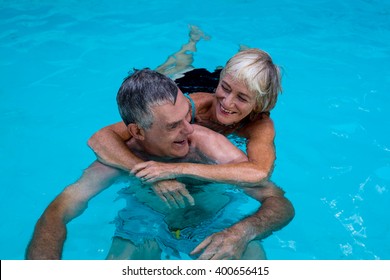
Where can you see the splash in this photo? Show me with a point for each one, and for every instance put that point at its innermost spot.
(353, 223)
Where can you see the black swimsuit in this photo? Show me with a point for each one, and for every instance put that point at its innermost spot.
(199, 80)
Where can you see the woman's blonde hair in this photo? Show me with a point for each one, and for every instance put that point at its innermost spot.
(256, 70)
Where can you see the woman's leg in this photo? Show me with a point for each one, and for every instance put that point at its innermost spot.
(181, 61)
(123, 249)
(254, 251)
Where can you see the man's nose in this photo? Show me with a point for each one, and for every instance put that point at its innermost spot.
(188, 128)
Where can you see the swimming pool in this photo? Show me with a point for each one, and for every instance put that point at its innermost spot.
(63, 61)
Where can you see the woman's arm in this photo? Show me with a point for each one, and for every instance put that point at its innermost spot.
(260, 147)
(231, 169)
(109, 145)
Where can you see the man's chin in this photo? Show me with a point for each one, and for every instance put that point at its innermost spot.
(182, 152)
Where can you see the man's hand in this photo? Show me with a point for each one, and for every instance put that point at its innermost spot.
(153, 171)
(173, 193)
(224, 245)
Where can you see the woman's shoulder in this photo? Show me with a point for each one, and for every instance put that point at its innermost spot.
(260, 125)
(203, 101)
(202, 96)
(202, 133)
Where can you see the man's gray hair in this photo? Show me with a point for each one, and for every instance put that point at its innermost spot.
(142, 90)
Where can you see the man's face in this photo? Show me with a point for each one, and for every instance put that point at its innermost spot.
(168, 136)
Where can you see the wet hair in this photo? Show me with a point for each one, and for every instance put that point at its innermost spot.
(260, 75)
(142, 90)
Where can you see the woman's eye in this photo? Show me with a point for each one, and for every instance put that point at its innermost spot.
(242, 98)
(225, 88)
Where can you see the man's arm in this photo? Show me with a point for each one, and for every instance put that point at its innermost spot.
(50, 231)
(276, 212)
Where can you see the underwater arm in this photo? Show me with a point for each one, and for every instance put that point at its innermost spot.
(50, 231)
(276, 212)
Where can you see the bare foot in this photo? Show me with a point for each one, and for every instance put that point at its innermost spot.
(196, 33)
(243, 48)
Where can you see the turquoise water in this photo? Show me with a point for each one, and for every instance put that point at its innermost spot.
(61, 63)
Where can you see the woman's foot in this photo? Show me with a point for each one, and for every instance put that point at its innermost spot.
(181, 61)
(196, 34)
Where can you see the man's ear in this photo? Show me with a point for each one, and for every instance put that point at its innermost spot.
(136, 131)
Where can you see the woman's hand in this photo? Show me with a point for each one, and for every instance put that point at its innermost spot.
(152, 171)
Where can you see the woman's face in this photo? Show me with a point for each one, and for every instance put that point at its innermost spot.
(234, 101)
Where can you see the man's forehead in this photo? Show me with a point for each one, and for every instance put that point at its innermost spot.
(170, 113)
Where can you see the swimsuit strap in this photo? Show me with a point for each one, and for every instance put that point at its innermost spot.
(193, 109)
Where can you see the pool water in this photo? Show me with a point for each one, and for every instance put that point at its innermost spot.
(61, 63)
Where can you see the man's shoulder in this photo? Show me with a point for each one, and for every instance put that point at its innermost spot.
(195, 155)
(202, 133)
